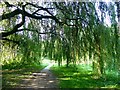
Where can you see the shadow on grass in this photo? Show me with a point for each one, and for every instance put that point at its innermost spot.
(73, 77)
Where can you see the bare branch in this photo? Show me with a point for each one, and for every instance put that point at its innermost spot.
(9, 40)
(5, 34)
(39, 8)
(11, 14)
(25, 14)
(8, 5)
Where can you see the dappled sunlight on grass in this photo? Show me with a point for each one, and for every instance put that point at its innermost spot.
(82, 77)
(65, 78)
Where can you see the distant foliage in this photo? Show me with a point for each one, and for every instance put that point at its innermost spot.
(75, 33)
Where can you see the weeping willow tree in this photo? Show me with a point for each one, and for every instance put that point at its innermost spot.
(20, 48)
(68, 32)
(86, 34)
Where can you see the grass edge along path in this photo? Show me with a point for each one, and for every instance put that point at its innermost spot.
(81, 76)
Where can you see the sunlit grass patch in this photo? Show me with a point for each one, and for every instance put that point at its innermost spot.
(82, 76)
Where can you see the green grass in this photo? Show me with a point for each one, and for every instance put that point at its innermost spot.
(81, 76)
(12, 77)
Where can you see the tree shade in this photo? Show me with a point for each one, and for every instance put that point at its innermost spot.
(68, 32)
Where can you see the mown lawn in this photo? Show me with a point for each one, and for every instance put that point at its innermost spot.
(82, 76)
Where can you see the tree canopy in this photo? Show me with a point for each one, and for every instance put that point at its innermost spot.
(63, 31)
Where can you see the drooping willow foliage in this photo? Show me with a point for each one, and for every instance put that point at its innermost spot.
(81, 36)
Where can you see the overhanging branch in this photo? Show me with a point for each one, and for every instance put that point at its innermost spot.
(10, 15)
(5, 34)
(24, 14)
(9, 40)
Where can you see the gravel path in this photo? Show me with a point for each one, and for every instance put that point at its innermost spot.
(43, 79)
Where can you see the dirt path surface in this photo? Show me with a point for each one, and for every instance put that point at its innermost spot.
(43, 79)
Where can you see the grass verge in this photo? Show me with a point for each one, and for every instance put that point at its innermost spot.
(82, 76)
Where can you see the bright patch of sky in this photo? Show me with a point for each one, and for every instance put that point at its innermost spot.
(107, 20)
(39, 2)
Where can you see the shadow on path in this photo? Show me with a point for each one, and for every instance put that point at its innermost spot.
(42, 79)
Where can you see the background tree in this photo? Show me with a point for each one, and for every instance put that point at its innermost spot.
(68, 32)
